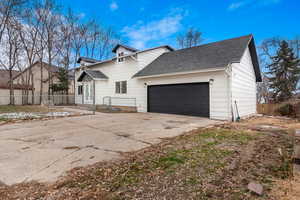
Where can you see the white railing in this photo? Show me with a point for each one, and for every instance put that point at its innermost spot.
(119, 101)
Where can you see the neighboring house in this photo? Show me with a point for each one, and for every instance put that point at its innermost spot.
(204, 81)
(38, 76)
(5, 87)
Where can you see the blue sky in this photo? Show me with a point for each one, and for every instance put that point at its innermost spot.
(148, 23)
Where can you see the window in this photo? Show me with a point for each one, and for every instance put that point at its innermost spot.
(87, 92)
(118, 87)
(120, 55)
(80, 90)
(124, 87)
(121, 87)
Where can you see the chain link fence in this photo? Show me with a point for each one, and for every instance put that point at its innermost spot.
(46, 99)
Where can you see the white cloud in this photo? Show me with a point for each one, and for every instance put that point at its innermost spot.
(140, 33)
(235, 6)
(113, 6)
(81, 15)
(239, 4)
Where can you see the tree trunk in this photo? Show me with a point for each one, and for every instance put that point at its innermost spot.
(32, 89)
(41, 89)
(11, 89)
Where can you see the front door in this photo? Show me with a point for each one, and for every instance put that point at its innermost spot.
(88, 93)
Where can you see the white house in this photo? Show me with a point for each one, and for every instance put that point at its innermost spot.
(215, 80)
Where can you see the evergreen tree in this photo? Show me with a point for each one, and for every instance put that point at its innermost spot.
(62, 85)
(284, 73)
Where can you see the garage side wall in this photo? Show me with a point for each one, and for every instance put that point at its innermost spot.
(244, 86)
(219, 96)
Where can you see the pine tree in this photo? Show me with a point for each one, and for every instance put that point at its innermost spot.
(284, 73)
(62, 85)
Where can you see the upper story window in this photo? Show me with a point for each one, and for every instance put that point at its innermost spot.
(120, 55)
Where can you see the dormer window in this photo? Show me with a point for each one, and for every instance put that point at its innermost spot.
(120, 55)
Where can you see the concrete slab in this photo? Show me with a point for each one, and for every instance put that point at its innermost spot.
(45, 150)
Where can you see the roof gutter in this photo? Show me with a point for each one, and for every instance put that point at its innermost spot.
(181, 73)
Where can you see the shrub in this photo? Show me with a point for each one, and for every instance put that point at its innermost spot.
(286, 110)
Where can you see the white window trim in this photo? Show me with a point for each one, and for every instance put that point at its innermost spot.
(121, 86)
(121, 57)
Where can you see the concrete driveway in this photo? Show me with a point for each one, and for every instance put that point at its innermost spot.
(45, 150)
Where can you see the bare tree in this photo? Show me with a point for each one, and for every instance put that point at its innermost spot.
(106, 41)
(50, 20)
(48, 34)
(80, 31)
(191, 38)
(8, 9)
(66, 55)
(29, 34)
(263, 92)
(11, 55)
(95, 41)
(269, 47)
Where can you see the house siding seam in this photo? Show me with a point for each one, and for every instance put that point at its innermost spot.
(244, 86)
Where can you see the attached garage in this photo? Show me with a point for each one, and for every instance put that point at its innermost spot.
(184, 99)
(215, 80)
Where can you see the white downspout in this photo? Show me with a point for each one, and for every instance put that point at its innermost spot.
(228, 71)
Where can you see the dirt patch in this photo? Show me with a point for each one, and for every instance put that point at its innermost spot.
(282, 122)
(213, 163)
(177, 122)
(288, 189)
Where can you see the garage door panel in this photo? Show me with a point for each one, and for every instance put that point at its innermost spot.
(186, 99)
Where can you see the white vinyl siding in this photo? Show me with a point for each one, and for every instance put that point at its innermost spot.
(123, 71)
(244, 86)
(219, 96)
(242, 82)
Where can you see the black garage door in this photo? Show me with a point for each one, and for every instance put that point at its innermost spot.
(184, 99)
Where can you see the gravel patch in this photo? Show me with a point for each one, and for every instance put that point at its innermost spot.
(23, 115)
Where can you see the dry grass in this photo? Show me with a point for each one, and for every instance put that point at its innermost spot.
(287, 189)
(282, 122)
(26, 108)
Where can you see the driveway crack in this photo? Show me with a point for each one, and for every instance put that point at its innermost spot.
(128, 136)
(55, 161)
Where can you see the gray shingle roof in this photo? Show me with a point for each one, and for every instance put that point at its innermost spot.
(93, 74)
(124, 46)
(86, 59)
(208, 56)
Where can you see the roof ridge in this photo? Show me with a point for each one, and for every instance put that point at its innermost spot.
(211, 43)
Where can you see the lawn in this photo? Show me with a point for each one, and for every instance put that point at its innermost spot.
(213, 163)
